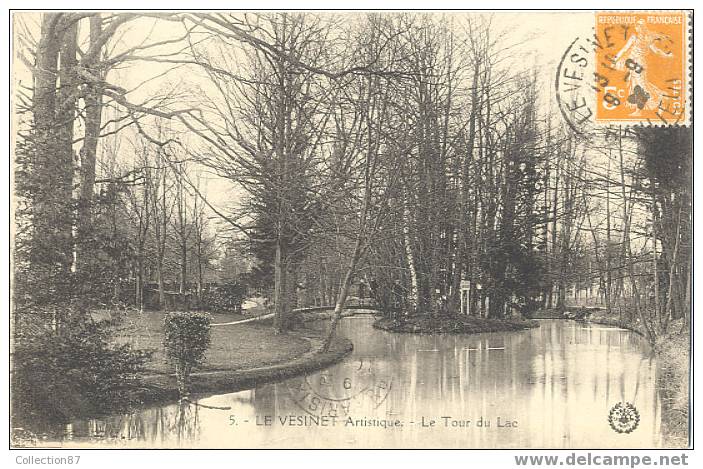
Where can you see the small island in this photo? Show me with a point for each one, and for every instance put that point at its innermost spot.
(452, 324)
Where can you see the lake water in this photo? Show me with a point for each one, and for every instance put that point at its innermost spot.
(549, 387)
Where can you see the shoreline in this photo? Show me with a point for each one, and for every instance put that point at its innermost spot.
(159, 388)
(162, 389)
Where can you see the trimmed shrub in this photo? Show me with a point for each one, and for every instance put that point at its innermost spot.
(186, 339)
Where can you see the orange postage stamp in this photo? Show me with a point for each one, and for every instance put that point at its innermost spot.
(641, 67)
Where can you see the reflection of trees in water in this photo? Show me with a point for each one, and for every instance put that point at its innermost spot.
(178, 423)
(187, 423)
(545, 377)
(367, 341)
(559, 380)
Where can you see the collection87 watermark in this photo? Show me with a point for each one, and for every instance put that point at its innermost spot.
(32, 460)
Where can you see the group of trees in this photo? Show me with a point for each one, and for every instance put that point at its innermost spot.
(408, 150)
(635, 217)
(99, 201)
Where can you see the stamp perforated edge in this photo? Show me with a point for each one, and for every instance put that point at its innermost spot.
(686, 120)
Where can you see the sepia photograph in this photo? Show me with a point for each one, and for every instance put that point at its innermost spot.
(359, 229)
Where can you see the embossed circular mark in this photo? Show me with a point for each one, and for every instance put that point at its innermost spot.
(624, 417)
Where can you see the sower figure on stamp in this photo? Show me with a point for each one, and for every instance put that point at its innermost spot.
(641, 93)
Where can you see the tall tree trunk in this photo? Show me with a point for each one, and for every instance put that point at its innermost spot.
(462, 245)
(139, 284)
(92, 99)
(183, 286)
(608, 241)
(356, 255)
(656, 317)
(200, 273)
(410, 259)
(160, 281)
(54, 109)
(279, 292)
(343, 293)
(672, 272)
(555, 216)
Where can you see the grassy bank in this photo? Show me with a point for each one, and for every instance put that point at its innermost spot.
(673, 355)
(452, 325)
(163, 388)
(233, 347)
(241, 356)
(624, 321)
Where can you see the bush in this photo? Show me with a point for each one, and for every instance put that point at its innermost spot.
(75, 371)
(186, 339)
(225, 298)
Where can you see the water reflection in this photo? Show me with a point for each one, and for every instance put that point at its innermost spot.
(550, 387)
(176, 425)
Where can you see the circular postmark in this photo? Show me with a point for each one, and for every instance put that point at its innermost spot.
(624, 417)
(575, 85)
(336, 391)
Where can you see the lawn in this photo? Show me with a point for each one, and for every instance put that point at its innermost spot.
(233, 347)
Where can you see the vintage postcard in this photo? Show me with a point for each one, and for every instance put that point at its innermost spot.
(351, 229)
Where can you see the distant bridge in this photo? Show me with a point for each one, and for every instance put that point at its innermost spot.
(570, 312)
(362, 309)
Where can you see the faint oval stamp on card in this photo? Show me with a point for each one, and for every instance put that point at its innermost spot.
(335, 392)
